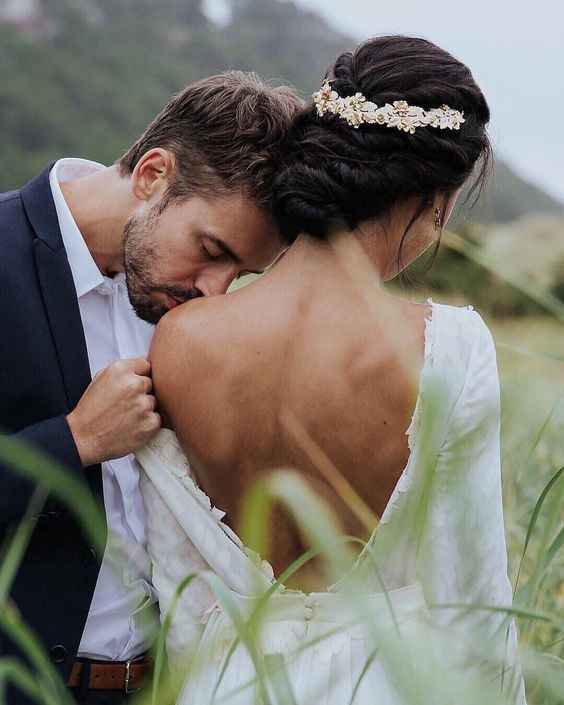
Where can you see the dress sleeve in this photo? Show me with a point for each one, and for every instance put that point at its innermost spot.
(173, 558)
(463, 554)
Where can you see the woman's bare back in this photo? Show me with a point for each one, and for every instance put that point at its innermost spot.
(251, 380)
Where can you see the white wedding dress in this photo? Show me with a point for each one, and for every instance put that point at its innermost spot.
(458, 557)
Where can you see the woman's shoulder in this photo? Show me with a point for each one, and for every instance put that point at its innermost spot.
(461, 331)
(190, 336)
(197, 351)
(464, 357)
(186, 355)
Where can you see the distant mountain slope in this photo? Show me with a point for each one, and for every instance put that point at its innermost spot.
(83, 77)
(508, 198)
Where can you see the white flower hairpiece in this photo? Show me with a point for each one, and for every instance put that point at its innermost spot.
(356, 110)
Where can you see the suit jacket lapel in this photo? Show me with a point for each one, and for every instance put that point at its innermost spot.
(57, 287)
(59, 298)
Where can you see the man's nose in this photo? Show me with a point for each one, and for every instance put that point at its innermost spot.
(216, 283)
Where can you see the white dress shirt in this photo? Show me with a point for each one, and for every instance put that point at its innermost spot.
(117, 627)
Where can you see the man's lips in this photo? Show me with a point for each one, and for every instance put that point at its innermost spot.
(172, 302)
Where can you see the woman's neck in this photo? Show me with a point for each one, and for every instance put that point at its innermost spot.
(339, 261)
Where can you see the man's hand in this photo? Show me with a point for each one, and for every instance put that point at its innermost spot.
(116, 414)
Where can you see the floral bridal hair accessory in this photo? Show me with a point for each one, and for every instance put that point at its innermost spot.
(356, 110)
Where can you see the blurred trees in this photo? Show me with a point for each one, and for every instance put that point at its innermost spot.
(93, 75)
(528, 252)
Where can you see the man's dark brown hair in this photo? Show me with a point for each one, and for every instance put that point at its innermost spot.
(226, 133)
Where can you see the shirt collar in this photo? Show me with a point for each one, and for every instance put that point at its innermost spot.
(85, 272)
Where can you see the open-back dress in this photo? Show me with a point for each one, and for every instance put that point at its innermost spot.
(382, 635)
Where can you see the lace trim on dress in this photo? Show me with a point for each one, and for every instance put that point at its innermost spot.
(167, 448)
(406, 478)
(414, 427)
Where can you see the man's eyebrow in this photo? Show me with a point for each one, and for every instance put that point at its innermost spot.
(226, 249)
(234, 256)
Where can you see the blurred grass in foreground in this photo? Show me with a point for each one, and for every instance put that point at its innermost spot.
(531, 360)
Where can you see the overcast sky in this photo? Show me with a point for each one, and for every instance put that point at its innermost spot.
(515, 51)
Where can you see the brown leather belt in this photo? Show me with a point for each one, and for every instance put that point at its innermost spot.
(127, 676)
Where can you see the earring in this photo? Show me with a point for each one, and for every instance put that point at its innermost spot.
(437, 221)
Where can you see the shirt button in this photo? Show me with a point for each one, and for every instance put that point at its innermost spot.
(58, 653)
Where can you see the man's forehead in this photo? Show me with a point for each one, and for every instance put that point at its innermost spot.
(245, 210)
(248, 227)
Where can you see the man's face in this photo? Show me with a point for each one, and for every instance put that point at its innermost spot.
(194, 248)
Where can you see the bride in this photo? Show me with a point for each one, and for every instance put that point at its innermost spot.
(316, 368)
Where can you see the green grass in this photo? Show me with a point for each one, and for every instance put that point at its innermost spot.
(533, 448)
(531, 362)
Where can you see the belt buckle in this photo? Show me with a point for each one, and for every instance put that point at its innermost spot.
(127, 688)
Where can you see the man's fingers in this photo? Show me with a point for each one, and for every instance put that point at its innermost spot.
(155, 421)
(151, 402)
(147, 384)
(139, 365)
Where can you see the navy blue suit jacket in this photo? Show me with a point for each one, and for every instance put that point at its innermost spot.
(44, 371)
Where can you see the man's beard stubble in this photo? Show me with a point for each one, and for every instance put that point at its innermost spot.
(140, 254)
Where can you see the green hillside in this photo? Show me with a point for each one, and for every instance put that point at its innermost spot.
(83, 77)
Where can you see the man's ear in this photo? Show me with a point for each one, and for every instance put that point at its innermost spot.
(152, 174)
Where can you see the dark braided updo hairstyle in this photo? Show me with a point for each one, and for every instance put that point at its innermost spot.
(337, 176)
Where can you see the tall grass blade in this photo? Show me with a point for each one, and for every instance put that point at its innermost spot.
(12, 671)
(244, 634)
(543, 298)
(534, 517)
(281, 686)
(12, 558)
(369, 661)
(516, 611)
(553, 549)
(329, 471)
(37, 466)
(160, 646)
(50, 679)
